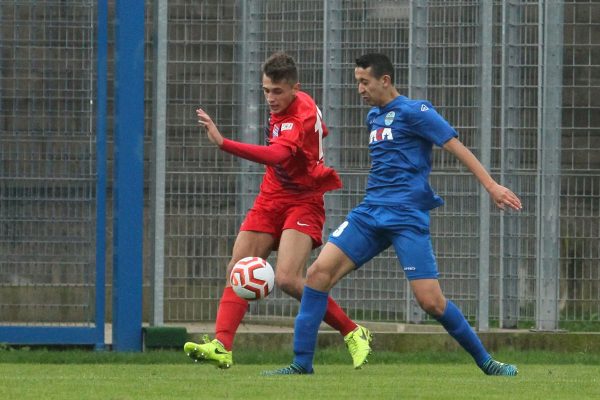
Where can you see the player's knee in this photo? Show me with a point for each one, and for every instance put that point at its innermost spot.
(319, 277)
(230, 267)
(432, 306)
(289, 284)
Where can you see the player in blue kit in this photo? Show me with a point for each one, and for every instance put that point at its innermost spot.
(395, 211)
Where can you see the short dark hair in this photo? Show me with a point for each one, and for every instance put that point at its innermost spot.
(380, 64)
(281, 67)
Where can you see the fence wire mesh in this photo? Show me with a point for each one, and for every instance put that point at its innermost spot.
(47, 165)
(215, 50)
(233, 38)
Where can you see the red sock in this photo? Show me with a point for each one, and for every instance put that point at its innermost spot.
(232, 309)
(337, 318)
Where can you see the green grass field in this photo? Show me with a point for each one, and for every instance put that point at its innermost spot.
(79, 375)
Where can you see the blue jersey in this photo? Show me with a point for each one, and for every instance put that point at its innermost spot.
(402, 134)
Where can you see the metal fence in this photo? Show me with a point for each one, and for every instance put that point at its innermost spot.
(516, 78)
(47, 168)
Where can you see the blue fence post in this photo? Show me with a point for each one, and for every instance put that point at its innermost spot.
(102, 43)
(128, 176)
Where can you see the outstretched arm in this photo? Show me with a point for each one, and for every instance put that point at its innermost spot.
(501, 195)
(269, 155)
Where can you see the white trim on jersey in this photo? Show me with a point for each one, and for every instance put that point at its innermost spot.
(319, 130)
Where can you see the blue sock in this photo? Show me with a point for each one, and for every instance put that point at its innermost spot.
(458, 327)
(306, 328)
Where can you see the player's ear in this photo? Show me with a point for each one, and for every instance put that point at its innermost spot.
(386, 80)
(296, 87)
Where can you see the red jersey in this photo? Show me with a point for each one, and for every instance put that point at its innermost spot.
(300, 128)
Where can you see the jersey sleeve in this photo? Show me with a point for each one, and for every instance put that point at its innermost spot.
(428, 124)
(325, 130)
(268, 155)
(290, 135)
(372, 112)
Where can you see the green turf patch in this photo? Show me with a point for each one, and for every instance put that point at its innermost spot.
(390, 381)
(248, 356)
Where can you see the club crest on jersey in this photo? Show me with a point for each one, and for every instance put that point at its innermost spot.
(275, 131)
(381, 134)
(287, 126)
(389, 118)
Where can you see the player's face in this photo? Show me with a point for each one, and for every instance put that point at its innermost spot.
(279, 95)
(372, 90)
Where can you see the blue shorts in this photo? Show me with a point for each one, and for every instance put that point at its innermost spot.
(370, 229)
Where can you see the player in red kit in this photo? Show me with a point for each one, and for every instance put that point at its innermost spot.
(288, 213)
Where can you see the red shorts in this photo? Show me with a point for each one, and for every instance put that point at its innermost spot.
(274, 216)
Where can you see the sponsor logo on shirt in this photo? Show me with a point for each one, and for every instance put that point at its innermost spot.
(424, 107)
(287, 126)
(389, 118)
(381, 134)
(275, 131)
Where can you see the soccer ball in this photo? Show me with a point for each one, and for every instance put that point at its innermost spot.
(252, 278)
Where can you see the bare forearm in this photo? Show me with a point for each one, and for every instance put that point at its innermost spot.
(500, 195)
(469, 160)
